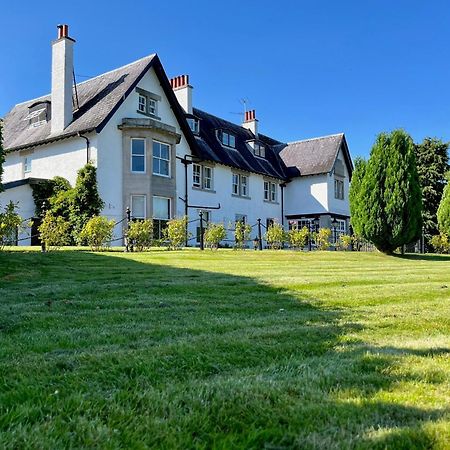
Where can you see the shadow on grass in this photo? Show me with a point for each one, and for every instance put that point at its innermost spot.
(425, 257)
(112, 350)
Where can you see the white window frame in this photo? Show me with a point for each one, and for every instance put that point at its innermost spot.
(162, 159)
(339, 188)
(342, 226)
(27, 164)
(259, 150)
(228, 139)
(152, 106)
(270, 191)
(142, 103)
(144, 155)
(197, 173)
(235, 177)
(206, 178)
(145, 205)
(194, 124)
(170, 207)
(241, 186)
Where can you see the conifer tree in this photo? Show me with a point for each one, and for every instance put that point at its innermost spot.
(356, 204)
(391, 198)
(443, 214)
(432, 165)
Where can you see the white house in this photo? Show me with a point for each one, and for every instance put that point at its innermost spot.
(158, 154)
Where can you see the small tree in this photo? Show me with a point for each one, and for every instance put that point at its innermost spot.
(10, 222)
(344, 242)
(357, 205)
(97, 232)
(443, 213)
(86, 199)
(275, 236)
(214, 234)
(176, 233)
(298, 238)
(441, 243)
(322, 238)
(241, 234)
(54, 231)
(140, 234)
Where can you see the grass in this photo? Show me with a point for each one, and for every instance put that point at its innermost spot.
(224, 350)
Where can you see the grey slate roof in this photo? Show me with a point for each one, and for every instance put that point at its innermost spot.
(313, 156)
(98, 98)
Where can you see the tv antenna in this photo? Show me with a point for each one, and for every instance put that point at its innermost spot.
(244, 102)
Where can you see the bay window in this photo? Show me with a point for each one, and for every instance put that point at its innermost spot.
(161, 159)
(138, 155)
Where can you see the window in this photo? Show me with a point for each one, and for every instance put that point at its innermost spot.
(269, 222)
(194, 124)
(152, 106)
(240, 185)
(147, 103)
(161, 215)
(259, 150)
(240, 218)
(202, 176)
(138, 209)
(227, 139)
(38, 114)
(142, 106)
(341, 226)
(270, 191)
(339, 188)
(161, 159)
(138, 155)
(197, 175)
(300, 224)
(27, 164)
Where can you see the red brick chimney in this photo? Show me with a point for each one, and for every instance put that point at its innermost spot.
(183, 91)
(251, 122)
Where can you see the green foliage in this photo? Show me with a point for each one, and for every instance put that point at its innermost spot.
(97, 232)
(45, 190)
(298, 238)
(54, 231)
(441, 243)
(176, 233)
(275, 236)
(10, 222)
(140, 234)
(322, 238)
(86, 199)
(443, 213)
(214, 234)
(241, 234)
(344, 242)
(390, 202)
(432, 165)
(355, 196)
(2, 155)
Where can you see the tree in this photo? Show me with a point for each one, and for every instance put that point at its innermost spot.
(10, 223)
(298, 237)
(214, 234)
(390, 201)
(2, 155)
(54, 231)
(176, 233)
(443, 213)
(432, 165)
(86, 199)
(45, 190)
(275, 236)
(356, 201)
(140, 234)
(97, 232)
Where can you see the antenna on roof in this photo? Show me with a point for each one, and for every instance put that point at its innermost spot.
(244, 102)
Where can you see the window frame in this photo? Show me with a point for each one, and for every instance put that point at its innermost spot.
(339, 188)
(143, 104)
(210, 178)
(169, 161)
(225, 138)
(270, 191)
(199, 175)
(152, 104)
(144, 156)
(158, 221)
(196, 122)
(27, 164)
(240, 185)
(145, 205)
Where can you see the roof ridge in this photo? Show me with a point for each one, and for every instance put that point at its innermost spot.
(152, 55)
(316, 138)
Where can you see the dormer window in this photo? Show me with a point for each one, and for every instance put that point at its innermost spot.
(148, 103)
(38, 114)
(227, 138)
(259, 150)
(194, 124)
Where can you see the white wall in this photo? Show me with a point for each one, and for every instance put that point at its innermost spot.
(338, 206)
(307, 195)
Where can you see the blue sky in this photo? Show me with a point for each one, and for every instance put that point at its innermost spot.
(309, 68)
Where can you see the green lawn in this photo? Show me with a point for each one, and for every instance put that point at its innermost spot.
(224, 350)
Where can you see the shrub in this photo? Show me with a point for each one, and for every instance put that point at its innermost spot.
(176, 233)
(140, 234)
(241, 234)
(214, 234)
(344, 242)
(275, 236)
(443, 213)
(10, 222)
(322, 238)
(298, 238)
(97, 232)
(441, 243)
(54, 231)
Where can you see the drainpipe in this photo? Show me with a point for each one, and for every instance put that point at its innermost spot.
(87, 146)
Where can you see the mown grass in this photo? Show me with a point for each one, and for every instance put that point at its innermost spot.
(224, 350)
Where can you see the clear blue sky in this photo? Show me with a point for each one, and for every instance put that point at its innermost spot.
(309, 68)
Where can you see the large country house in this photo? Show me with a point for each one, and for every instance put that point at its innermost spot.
(162, 157)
